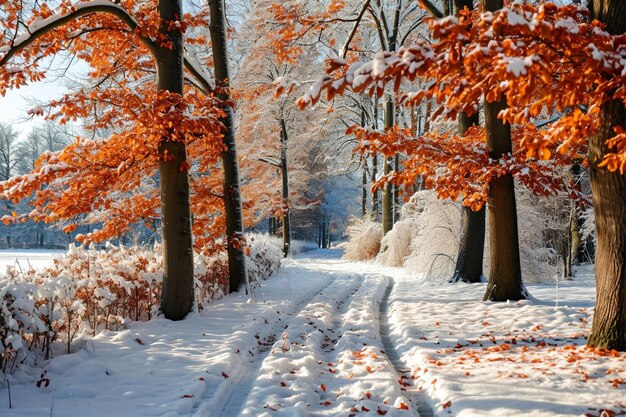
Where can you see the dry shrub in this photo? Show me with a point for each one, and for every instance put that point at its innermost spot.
(364, 239)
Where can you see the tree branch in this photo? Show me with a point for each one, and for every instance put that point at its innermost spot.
(344, 49)
(84, 9)
(431, 8)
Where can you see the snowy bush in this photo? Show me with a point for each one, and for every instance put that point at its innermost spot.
(90, 290)
(265, 255)
(435, 241)
(301, 246)
(364, 239)
(543, 224)
(426, 239)
(396, 245)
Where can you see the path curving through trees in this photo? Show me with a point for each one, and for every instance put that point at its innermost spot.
(332, 356)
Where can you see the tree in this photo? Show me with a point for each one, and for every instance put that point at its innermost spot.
(42, 138)
(505, 274)
(8, 151)
(232, 188)
(609, 199)
(160, 122)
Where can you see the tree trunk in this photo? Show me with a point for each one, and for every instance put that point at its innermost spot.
(505, 276)
(232, 191)
(397, 204)
(363, 186)
(573, 243)
(387, 191)
(469, 261)
(285, 188)
(177, 294)
(375, 194)
(609, 198)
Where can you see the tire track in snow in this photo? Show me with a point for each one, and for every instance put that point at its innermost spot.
(417, 397)
(238, 393)
(297, 370)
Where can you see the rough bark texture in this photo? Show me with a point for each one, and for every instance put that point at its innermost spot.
(469, 261)
(177, 294)
(609, 199)
(285, 188)
(232, 190)
(505, 276)
(387, 191)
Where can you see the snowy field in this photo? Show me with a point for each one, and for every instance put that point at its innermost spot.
(332, 338)
(25, 258)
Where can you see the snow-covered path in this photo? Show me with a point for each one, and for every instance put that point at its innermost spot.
(306, 343)
(332, 338)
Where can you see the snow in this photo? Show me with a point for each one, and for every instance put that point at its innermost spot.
(332, 337)
(35, 258)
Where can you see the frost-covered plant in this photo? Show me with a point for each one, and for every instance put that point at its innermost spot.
(543, 225)
(364, 239)
(301, 246)
(433, 246)
(89, 290)
(396, 245)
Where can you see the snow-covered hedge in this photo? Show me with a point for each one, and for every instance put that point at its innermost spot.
(90, 290)
(364, 236)
(425, 240)
(264, 257)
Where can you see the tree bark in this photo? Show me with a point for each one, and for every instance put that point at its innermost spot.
(376, 193)
(505, 276)
(469, 261)
(609, 198)
(177, 294)
(387, 191)
(397, 204)
(285, 188)
(232, 191)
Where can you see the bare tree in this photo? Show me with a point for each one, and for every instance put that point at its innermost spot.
(8, 150)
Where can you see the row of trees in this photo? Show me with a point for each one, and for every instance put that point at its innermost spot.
(518, 64)
(159, 143)
(166, 105)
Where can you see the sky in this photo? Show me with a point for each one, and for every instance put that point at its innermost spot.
(15, 104)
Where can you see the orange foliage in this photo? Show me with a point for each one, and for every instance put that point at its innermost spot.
(456, 166)
(295, 22)
(112, 180)
(545, 60)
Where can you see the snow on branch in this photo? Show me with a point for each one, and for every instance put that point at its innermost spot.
(40, 27)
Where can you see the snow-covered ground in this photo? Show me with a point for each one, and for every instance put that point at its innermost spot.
(26, 258)
(328, 337)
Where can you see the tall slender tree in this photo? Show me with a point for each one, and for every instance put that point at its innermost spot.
(609, 199)
(232, 187)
